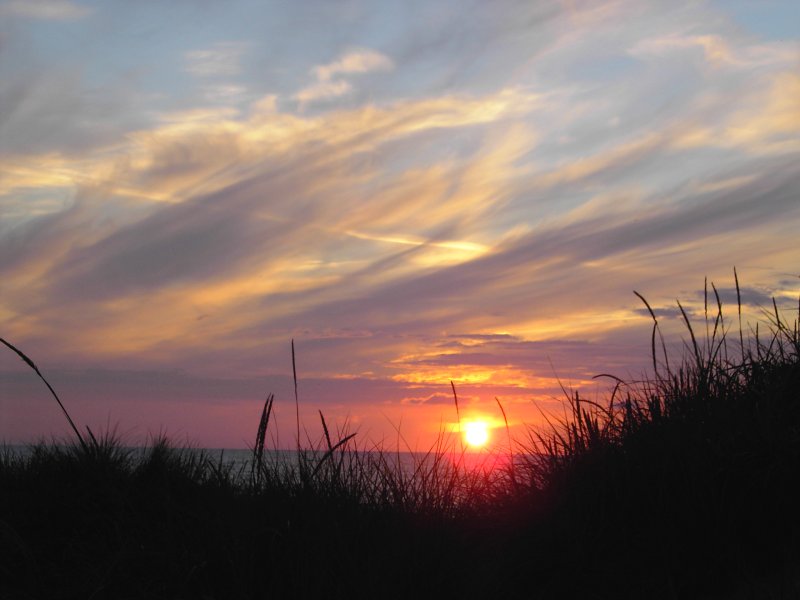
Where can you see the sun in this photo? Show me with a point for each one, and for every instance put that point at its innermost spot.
(476, 433)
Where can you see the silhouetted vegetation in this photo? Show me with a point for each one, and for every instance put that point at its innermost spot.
(684, 485)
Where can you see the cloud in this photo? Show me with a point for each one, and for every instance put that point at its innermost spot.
(354, 61)
(323, 90)
(51, 112)
(717, 51)
(748, 295)
(273, 248)
(329, 84)
(56, 10)
(666, 312)
(223, 59)
(225, 94)
(438, 398)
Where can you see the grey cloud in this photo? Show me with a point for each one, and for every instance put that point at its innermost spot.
(772, 197)
(729, 298)
(48, 111)
(668, 312)
(221, 60)
(199, 239)
(573, 358)
(49, 237)
(152, 254)
(108, 387)
(452, 45)
(767, 199)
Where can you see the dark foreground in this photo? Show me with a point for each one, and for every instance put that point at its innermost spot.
(683, 486)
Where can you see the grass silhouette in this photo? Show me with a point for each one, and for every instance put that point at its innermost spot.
(682, 485)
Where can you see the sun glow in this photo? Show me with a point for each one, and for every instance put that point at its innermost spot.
(476, 433)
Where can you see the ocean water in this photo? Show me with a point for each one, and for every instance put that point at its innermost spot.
(240, 460)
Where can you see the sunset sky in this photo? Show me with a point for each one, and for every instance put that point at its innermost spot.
(415, 192)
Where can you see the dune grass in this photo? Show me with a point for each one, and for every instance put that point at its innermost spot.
(681, 485)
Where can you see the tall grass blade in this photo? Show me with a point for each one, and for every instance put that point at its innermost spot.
(330, 452)
(455, 398)
(33, 366)
(653, 334)
(458, 412)
(719, 325)
(739, 306)
(705, 302)
(261, 434)
(695, 347)
(296, 400)
(510, 441)
(325, 429)
(91, 435)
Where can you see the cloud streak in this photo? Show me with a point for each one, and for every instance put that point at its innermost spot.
(331, 79)
(57, 10)
(221, 60)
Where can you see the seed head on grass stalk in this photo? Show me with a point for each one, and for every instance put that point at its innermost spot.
(458, 413)
(258, 450)
(33, 366)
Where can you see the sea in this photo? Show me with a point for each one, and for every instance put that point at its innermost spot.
(239, 460)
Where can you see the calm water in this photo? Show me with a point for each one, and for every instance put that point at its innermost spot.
(240, 459)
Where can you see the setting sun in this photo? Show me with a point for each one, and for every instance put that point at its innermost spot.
(476, 433)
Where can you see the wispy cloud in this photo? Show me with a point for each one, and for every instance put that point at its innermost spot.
(56, 10)
(716, 50)
(323, 90)
(354, 61)
(223, 59)
(330, 78)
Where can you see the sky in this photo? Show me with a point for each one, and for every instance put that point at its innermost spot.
(414, 192)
